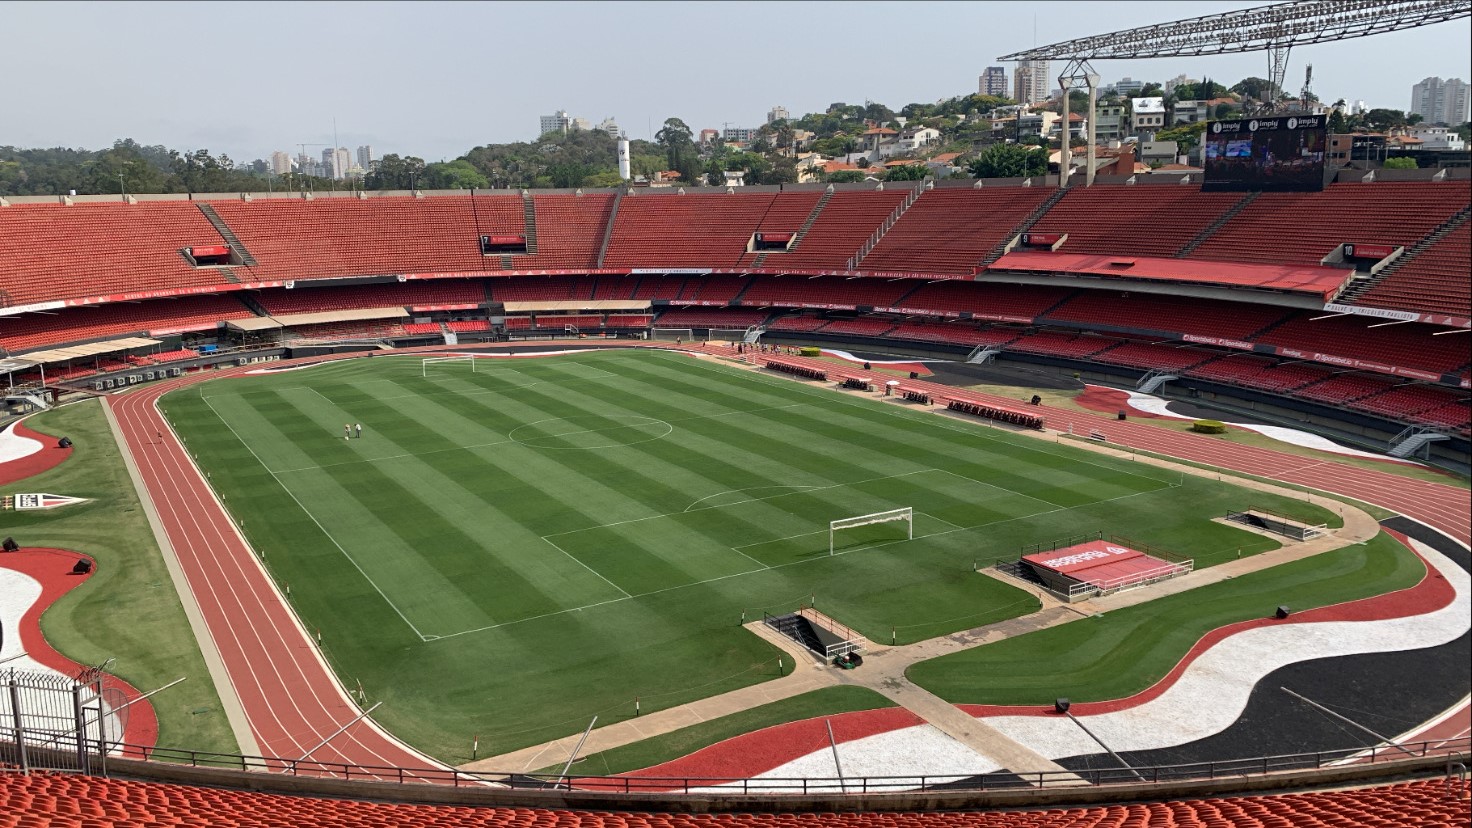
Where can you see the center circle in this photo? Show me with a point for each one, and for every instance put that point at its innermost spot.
(590, 431)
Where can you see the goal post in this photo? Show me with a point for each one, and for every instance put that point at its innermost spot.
(732, 334)
(682, 334)
(906, 514)
(428, 361)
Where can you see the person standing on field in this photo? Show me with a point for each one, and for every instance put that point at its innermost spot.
(360, 430)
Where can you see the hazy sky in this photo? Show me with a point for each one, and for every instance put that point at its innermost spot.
(435, 79)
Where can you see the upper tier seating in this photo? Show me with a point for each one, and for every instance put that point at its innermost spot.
(786, 214)
(1438, 279)
(1303, 228)
(965, 296)
(44, 800)
(541, 288)
(29, 332)
(399, 294)
(799, 290)
(49, 251)
(847, 221)
(1142, 221)
(569, 231)
(1182, 314)
(697, 230)
(296, 239)
(1408, 345)
(951, 230)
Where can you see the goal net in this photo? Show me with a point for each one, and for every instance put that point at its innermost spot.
(424, 364)
(683, 334)
(731, 334)
(906, 514)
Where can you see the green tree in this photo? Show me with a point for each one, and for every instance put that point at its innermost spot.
(908, 172)
(1400, 163)
(459, 174)
(845, 177)
(395, 173)
(1385, 119)
(1186, 136)
(1258, 89)
(1009, 161)
(679, 149)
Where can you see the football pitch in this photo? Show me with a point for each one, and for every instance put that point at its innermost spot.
(510, 550)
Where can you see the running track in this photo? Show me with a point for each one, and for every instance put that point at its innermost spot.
(292, 700)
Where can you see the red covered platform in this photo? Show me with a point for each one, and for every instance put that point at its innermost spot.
(1100, 566)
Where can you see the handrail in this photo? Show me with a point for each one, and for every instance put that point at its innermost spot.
(849, 785)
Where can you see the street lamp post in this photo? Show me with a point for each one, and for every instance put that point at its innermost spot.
(122, 189)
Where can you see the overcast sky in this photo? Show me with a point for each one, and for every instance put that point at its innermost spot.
(436, 79)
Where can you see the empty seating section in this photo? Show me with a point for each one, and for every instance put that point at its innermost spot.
(954, 333)
(1302, 228)
(615, 287)
(1182, 314)
(569, 231)
(469, 325)
(847, 221)
(356, 329)
(1142, 220)
(1409, 345)
(864, 326)
(1168, 356)
(787, 213)
(1410, 402)
(423, 328)
(294, 239)
(1233, 369)
(1437, 279)
(951, 230)
(541, 288)
(1290, 376)
(563, 322)
(49, 251)
(1024, 302)
(797, 323)
(1456, 415)
(710, 318)
(169, 356)
(399, 294)
(41, 800)
(660, 287)
(28, 332)
(803, 290)
(629, 320)
(684, 230)
(1344, 388)
(1061, 344)
(516, 323)
(713, 288)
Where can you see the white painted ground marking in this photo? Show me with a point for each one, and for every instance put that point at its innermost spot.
(621, 590)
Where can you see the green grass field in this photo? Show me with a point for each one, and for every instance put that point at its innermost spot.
(510, 551)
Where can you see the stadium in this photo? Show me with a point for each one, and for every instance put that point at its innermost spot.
(967, 501)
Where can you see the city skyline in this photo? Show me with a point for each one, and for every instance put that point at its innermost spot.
(434, 103)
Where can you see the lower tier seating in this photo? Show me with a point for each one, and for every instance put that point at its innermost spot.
(710, 318)
(29, 332)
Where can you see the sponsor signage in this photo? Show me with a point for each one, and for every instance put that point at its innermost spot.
(776, 238)
(1040, 239)
(163, 294)
(1381, 313)
(1358, 364)
(453, 307)
(178, 329)
(210, 250)
(42, 501)
(1368, 251)
(1284, 154)
(504, 240)
(656, 271)
(1218, 341)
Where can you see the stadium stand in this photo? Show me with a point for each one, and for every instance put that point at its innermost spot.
(660, 287)
(797, 323)
(1303, 228)
(991, 299)
(1409, 345)
(423, 328)
(541, 288)
(1140, 220)
(297, 240)
(615, 287)
(29, 332)
(828, 292)
(953, 333)
(47, 800)
(1410, 401)
(845, 223)
(710, 318)
(469, 325)
(721, 289)
(1170, 356)
(402, 294)
(1156, 312)
(629, 320)
(51, 251)
(1344, 388)
(684, 230)
(1436, 279)
(1070, 345)
(357, 329)
(569, 231)
(951, 230)
(787, 213)
(864, 326)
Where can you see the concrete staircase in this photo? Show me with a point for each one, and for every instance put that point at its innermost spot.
(798, 629)
(227, 234)
(618, 198)
(1022, 227)
(1210, 229)
(1361, 286)
(529, 224)
(873, 240)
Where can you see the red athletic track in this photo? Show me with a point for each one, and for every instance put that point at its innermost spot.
(293, 701)
(49, 457)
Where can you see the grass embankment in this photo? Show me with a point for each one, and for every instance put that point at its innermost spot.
(1120, 653)
(128, 610)
(666, 747)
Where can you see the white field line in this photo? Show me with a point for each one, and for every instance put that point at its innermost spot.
(309, 514)
(738, 491)
(999, 488)
(580, 562)
(776, 566)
